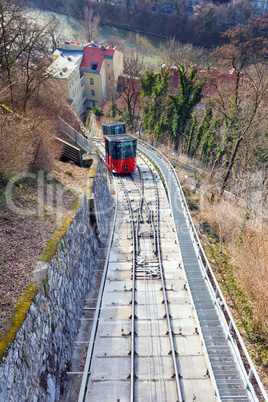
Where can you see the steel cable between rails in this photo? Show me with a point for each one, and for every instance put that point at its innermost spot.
(153, 290)
(132, 374)
(147, 327)
(165, 296)
(156, 323)
(157, 337)
(166, 304)
(155, 333)
(139, 218)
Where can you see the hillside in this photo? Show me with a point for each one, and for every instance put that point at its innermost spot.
(38, 204)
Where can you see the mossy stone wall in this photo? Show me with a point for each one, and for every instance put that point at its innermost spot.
(34, 366)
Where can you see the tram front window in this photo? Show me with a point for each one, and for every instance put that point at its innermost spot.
(124, 150)
(118, 129)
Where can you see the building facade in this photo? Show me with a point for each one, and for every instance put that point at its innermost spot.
(259, 8)
(66, 70)
(88, 73)
(101, 67)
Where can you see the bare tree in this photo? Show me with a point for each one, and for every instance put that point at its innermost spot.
(128, 86)
(174, 53)
(179, 6)
(54, 30)
(243, 102)
(11, 44)
(115, 41)
(23, 49)
(90, 24)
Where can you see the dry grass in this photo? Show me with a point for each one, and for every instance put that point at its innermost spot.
(226, 218)
(250, 258)
(26, 143)
(247, 244)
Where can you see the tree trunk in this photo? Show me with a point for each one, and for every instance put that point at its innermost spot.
(176, 144)
(213, 171)
(225, 180)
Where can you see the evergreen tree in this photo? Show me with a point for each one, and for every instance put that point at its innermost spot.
(191, 136)
(113, 107)
(202, 129)
(154, 94)
(181, 105)
(210, 140)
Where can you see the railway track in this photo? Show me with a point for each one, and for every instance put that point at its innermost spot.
(156, 335)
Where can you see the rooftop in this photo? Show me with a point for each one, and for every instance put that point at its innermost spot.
(94, 55)
(119, 137)
(65, 64)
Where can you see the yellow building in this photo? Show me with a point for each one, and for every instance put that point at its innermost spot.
(88, 73)
(101, 67)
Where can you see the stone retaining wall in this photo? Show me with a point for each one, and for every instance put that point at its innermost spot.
(35, 365)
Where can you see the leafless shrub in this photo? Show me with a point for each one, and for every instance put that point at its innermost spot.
(114, 41)
(225, 217)
(247, 244)
(26, 143)
(14, 155)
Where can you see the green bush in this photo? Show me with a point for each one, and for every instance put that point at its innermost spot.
(97, 111)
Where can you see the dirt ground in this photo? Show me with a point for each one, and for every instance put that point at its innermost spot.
(30, 210)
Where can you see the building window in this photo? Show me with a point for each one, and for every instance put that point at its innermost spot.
(91, 81)
(92, 92)
(94, 66)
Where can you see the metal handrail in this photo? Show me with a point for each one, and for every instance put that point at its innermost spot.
(78, 138)
(217, 293)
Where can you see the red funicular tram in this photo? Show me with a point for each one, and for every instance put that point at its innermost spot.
(114, 128)
(120, 153)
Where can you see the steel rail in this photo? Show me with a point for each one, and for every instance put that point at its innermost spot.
(132, 373)
(147, 327)
(219, 300)
(153, 293)
(166, 302)
(98, 308)
(179, 392)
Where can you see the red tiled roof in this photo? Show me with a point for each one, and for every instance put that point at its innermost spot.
(95, 54)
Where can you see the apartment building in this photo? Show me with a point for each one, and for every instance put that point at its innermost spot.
(87, 72)
(66, 70)
(259, 8)
(101, 67)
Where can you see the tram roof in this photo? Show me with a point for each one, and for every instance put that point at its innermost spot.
(120, 137)
(115, 123)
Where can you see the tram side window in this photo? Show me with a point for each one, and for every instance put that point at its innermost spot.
(113, 150)
(135, 148)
